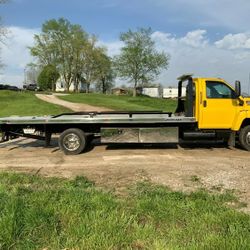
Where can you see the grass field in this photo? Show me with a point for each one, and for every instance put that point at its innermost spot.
(127, 103)
(50, 213)
(22, 103)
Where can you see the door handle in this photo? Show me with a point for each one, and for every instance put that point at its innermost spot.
(205, 104)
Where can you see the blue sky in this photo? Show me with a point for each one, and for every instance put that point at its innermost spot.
(207, 38)
(108, 18)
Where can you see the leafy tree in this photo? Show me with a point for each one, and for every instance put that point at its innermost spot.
(60, 44)
(86, 63)
(104, 73)
(139, 61)
(48, 77)
(74, 53)
(89, 62)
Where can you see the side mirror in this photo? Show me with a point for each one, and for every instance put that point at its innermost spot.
(237, 88)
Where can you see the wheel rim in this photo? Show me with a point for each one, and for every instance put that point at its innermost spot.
(248, 138)
(71, 142)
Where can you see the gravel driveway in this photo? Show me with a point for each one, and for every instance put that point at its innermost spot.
(181, 168)
(77, 107)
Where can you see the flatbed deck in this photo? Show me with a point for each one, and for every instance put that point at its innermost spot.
(99, 118)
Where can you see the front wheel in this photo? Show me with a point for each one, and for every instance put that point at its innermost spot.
(244, 137)
(72, 141)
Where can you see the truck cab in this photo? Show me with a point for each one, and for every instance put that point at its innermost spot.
(216, 106)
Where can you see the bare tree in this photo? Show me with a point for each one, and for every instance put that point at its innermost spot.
(3, 32)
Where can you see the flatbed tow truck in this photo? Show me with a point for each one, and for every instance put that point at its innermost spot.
(211, 110)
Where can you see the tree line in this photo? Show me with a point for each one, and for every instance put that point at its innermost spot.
(64, 50)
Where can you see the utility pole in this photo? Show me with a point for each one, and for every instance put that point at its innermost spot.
(24, 72)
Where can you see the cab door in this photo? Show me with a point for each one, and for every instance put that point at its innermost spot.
(218, 105)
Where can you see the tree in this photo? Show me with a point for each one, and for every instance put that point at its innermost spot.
(3, 32)
(60, 44)
(139, 61)
(88, 62)
(48, 77)
(104, 73)
(91, 63)
(31, 73)
(71, 50)
(2, 28)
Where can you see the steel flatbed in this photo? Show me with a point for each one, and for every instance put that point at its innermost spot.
(99, 118)
(112, 127)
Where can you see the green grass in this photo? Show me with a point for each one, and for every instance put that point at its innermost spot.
(51, 213)
(25, 103)
(127, 103)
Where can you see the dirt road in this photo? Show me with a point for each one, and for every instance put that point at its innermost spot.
(77, 107)
(183, 168)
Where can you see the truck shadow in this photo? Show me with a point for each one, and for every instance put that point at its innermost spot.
(26, 143)
(209, 145)
(147, 146)
(187, 146)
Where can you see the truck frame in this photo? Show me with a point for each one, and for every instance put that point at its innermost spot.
(192, 120)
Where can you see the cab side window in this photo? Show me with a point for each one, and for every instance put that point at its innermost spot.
(219, 90)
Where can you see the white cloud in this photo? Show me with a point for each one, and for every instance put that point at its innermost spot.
(195, 38)
(204, 59)
(234, 41)
(193, 53)
(15, 54)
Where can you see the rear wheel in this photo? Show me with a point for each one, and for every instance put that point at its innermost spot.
(72, 141)
(244, 137)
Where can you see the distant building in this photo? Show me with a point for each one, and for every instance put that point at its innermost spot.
(172, 92)
(119, 91)
(152, 92)
(60, 86)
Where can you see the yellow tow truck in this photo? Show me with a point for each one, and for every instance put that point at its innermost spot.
(211, 110)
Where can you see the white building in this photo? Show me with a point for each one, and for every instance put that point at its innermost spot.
(152, 92)
(173, 92)
(60, 86)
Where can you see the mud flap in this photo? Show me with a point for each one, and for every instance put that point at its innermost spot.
(5, 137)
(231, 140)
(47, 139)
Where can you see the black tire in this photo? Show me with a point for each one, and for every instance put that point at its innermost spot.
(72, 141)
(244, 137)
